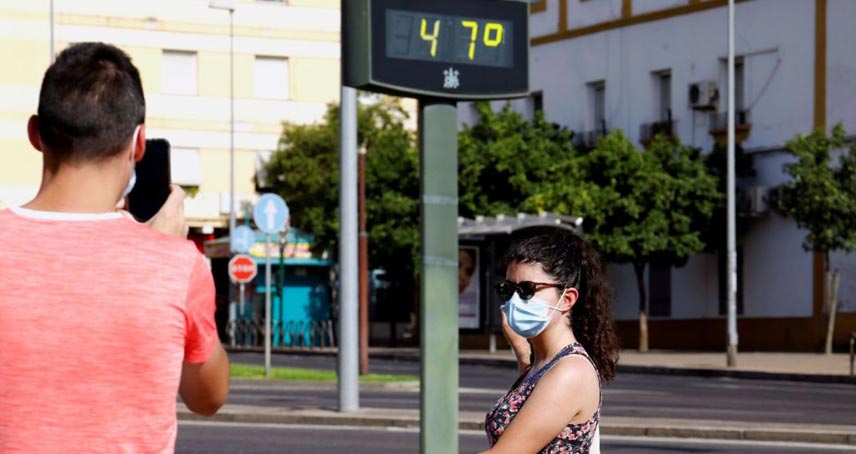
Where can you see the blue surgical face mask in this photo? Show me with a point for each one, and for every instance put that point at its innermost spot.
(528, 318)
(133, 179)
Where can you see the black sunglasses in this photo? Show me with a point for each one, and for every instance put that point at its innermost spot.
(526, 289)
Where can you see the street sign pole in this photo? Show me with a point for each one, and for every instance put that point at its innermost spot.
(243, 300)
(271, 215)
(438, 321)
(267, 305)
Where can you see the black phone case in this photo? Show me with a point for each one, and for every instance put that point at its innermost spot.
(153, 179)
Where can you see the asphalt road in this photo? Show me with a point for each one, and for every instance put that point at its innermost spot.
(639, 395)
(231, 438)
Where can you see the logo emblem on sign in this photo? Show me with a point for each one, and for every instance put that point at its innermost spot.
(451, 78)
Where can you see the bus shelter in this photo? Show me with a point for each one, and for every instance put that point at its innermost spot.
(481, 244)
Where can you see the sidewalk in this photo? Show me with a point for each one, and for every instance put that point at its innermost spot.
(808, 367)
(811, 367)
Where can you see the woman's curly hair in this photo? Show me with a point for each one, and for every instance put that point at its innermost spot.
(573, 262)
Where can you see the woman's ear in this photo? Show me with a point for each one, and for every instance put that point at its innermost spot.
(569, 298)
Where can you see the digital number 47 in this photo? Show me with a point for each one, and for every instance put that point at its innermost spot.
(492, 36)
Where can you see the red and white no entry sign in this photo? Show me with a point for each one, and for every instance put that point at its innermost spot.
(242, 268)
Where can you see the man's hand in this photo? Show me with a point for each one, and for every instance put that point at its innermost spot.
(170, 218)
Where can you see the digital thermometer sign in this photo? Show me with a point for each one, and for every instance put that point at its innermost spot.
(456, 49)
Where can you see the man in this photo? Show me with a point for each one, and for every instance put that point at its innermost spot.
(102, 318)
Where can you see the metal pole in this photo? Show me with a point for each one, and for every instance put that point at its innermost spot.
(732, 217)
(349, 399)
(283, 241)
(231, 122)
(364, 266)
(852, 343)
(267, 305)
(438, 321)
(53, 53)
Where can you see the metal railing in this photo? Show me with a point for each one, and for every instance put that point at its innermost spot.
(647, 131)
(588, 139)
(720, 120)
(291, 334)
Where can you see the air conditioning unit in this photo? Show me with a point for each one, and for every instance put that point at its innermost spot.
(755, 200)
(703, 95)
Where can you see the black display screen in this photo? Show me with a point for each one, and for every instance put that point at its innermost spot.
(454, 49)
(416, 35)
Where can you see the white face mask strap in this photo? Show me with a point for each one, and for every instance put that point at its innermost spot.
(134, 143)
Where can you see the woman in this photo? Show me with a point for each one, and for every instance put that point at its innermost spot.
(557, 320)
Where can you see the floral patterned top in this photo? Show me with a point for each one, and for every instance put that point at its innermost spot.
(574, 438)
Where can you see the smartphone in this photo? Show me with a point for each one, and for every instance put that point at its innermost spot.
(153, 180)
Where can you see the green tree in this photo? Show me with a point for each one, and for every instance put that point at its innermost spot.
(509, 164)
(650, 205)
(637, 206)
(304, 170)
(821, 198)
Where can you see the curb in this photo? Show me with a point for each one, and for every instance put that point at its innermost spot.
(832, 437)
(741, 374)
(621, 368)
(816, 434)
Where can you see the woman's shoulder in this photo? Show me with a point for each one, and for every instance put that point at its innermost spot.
(573, 369)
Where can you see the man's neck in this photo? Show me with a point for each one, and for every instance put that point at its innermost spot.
(78, 189)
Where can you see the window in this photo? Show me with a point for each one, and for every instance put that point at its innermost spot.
(178, 72)
(739, 84)
(597, 97)
(262, 159)
(185, 167)
(270, 78)
(535, 104)
(663, 93)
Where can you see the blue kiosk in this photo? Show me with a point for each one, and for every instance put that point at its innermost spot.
(300, 293)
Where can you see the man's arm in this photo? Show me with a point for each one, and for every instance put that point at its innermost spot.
(205, 386)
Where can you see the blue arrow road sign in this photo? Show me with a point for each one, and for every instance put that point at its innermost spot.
(242, 239)
(270, 213)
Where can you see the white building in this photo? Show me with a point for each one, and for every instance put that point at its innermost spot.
(597, 65)
(286, 69)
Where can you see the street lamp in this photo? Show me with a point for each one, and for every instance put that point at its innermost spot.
(52, 33)
(229, 6)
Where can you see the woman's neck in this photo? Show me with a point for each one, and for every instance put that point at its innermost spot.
(549, 343)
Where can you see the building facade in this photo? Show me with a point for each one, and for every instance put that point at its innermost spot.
(286, 69)
(649, 66)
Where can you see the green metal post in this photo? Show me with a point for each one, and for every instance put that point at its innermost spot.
(438, 323)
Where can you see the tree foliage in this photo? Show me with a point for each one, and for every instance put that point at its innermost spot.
(508, 163)
(821, 198)
(304, 170)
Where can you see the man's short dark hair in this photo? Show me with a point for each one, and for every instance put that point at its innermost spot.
(90, 103)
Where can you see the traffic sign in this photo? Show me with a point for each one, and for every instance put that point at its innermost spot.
(242, 268)
(271, 214)
(242, 239)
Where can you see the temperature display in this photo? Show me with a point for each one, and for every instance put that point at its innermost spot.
(422, 36)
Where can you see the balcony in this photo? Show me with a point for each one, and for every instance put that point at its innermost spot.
(647, 131)
(587, 140)
(719, 126)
